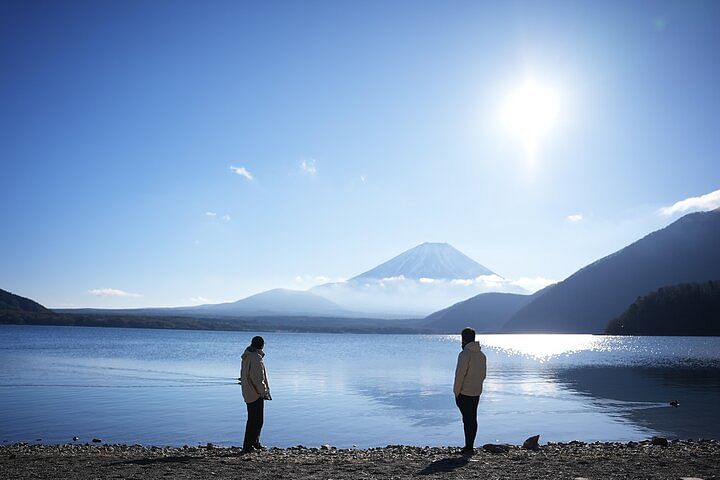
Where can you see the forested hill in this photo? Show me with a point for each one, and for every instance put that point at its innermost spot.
(685, 309)
(9, 302)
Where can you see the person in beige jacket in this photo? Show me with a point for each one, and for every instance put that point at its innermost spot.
(255, 390)
(469, 376)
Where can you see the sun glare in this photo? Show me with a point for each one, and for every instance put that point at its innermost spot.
(530, 112)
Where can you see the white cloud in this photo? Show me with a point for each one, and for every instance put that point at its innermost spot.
(363, 178)
(111, 292)
(709, 201)
(199, 299)
(399, 278)
(214, 215)
(494, 281)
(308, 166)
(577, 217)
(531, 284)
(242, 171)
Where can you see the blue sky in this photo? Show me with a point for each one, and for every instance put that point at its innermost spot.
(366, 128)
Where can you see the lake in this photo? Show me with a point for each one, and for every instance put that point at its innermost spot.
(174, 387)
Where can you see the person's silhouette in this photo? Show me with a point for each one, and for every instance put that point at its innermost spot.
(255, 390)
(469, 376)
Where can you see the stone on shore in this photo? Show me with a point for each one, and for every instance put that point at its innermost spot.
(496, 448)
(532, 443)
(661, 441)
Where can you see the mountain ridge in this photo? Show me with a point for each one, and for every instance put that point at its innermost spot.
(687, 250)
(11, 302)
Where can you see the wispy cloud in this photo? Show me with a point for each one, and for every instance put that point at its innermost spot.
(242, 171)
(577, 217)
(531, 284)
(309, 167)
(708, 201)
(214, 215)
(363, 178)
(199, 299)
(111, 292)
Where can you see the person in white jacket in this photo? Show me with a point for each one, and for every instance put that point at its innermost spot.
(469, 376)
(255, 390)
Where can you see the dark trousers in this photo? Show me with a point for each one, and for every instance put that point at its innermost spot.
(254, 424)
(468, 408)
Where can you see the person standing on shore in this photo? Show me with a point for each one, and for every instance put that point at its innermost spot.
(469, 376)
(255, 390)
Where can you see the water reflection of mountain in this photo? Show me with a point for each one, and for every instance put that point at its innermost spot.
(697, 390)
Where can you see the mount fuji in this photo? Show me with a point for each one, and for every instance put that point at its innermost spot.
(428, 260)
(416, 282)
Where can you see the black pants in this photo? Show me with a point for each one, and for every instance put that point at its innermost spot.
(254, 424)
(468, 408)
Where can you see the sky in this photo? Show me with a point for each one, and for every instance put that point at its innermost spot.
(176, 153)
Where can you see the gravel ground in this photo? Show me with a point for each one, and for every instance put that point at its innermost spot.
(574, 460)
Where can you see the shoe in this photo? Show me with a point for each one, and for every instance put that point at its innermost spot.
(467, 452)
(257, 446)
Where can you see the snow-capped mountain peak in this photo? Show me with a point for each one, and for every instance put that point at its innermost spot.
(428, 260)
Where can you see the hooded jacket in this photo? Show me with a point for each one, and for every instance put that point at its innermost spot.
(253, 377)
(471, 370)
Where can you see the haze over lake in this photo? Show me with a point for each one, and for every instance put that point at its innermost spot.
(180, 387)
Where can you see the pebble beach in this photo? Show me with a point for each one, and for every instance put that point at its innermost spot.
(650, 459)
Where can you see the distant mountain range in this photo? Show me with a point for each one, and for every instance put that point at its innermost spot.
(275, 302)
(686, 251)
(410, 285)
(279, 301)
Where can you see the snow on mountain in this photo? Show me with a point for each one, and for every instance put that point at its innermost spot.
(428, 260)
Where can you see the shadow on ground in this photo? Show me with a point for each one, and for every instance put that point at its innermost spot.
(155, 461)
(444, 465)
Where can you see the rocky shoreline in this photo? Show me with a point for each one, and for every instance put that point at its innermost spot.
(650, 459)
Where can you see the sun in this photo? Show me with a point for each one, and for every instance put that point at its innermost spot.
(530, 112)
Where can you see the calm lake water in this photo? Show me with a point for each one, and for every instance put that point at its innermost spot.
(168, 387)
